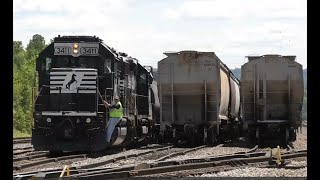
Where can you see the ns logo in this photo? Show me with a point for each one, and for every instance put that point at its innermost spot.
(72, 80)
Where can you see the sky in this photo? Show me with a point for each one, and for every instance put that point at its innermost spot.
(146, 29)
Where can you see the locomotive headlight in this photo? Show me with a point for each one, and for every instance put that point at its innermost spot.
(49, 120)
(88, 120)
(75, 48)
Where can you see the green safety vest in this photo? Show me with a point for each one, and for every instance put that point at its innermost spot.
(114, 112)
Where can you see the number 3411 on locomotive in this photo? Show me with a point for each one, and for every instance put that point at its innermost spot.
(74, 49)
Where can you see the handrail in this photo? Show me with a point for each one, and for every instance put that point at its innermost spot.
(36, 98)
(100, 96)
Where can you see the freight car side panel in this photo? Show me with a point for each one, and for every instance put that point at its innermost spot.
(235, 98)
(248, 92)
(296, 86)
(184, 81)
(225, 94)
(272, 89)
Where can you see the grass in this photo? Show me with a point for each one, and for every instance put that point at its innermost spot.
(17, 134)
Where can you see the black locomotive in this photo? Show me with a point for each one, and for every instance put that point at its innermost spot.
(75, 74)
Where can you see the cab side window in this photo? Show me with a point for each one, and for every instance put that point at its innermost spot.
(45, 64)
(48, 64)
(107, 66)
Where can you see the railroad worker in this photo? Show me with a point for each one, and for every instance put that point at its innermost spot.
(116, 113)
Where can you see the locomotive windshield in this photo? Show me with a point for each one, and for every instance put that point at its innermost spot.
(74, 62)
(70, 62)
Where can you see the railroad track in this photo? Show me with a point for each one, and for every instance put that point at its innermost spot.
(93, 166)
(236, 160)
(287, 153)
(21, 140)
(36, 158)
(143, 155)
(22, 148)
(179, 153)
(217, 163)
(223, 168)
(30, 157)
(22, 152)
(36, 161)
(113, 160)
(41, 158)
(26, 153)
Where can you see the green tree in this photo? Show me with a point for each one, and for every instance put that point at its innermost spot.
(36, 45)
(18, 54)
(23, 80)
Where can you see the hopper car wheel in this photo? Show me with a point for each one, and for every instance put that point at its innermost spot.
(251, 138)
(193, 141)
(293, 135)
(258, 136)
(212, 137)
(235, 133)
(168, 136)
(287, 136)
(203, 136)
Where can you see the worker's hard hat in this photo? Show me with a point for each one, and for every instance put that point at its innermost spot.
(116, 97)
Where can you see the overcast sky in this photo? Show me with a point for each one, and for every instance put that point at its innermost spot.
(145, 29)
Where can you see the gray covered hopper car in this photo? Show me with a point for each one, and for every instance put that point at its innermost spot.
(199, 97)
(272, 97)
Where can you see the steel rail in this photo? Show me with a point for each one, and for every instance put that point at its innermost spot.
(97, 164)
(236, 159)
(23, 148)
(48, 160)
(30, 157)
(164, 167)
(180, 153)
